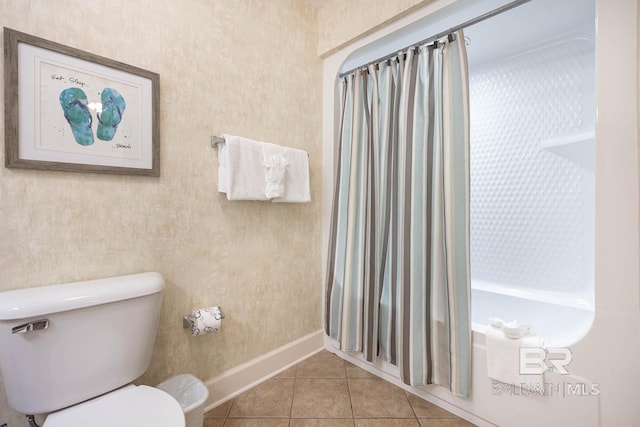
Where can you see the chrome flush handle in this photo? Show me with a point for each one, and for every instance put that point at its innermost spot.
(36, 325)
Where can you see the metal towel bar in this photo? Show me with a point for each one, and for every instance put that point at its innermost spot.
(215, 140)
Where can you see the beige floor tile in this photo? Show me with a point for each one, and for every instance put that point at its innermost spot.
(386, 422)
(355, 372)
(288, 373)
(322, 365)
(220, 411)
(325, 391)
(214, 422)
(327, 422)
(256, 422)
(376, 398)
(444, 422)
(321, 398)
(424, 409)
(272, 398)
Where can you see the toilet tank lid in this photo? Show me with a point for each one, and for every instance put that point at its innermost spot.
(130, 406)
(43, 300)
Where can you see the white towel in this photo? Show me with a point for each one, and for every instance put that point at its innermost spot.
(503, 359)
(296, 180)
(275, 164)
(241, 169)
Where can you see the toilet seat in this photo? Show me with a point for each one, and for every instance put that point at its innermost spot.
(130, 406)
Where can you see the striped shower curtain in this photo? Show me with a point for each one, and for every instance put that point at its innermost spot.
(398, 280)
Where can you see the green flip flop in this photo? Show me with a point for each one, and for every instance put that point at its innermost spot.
(113, 107)
(74, 104)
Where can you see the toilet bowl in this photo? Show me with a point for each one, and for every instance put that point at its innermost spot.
(71, 351)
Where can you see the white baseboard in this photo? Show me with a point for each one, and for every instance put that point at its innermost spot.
(241, 378)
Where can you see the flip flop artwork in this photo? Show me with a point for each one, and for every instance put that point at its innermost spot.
(74, 104)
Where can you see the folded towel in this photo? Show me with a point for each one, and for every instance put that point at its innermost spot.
(503, 359)
(275, 169)
(296, 180)
(252, 170)
(240, 170)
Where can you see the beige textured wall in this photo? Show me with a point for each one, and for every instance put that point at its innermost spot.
(248, 67)
(341, 22)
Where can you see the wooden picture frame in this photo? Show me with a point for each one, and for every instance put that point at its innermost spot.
(70, 110)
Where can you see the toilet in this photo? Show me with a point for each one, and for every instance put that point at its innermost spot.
(70, 352)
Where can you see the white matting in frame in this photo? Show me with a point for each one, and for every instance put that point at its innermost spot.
(79, 112)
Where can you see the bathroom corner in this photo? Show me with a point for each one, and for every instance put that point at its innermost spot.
(222, 69)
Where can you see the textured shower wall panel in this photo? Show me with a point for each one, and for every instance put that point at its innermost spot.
(530, 208)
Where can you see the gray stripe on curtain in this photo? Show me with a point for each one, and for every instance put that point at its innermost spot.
(370, 288)
(393, 342)
(334, 216)
(407, 231)
(383, 182)
(429, 196)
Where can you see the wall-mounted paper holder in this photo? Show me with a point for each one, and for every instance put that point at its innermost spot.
(187, 321)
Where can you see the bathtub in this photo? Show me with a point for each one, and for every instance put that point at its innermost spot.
(560, 319)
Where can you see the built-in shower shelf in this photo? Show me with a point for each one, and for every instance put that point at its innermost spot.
(579, 148)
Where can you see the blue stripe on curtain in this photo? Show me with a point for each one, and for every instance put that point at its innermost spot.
(457, 83)
(398, 284)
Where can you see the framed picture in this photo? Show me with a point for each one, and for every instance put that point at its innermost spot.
(70, 110)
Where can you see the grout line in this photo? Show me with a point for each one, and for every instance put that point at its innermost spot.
(406, 396)
(353, 415)
(293, 396)
(233, 403)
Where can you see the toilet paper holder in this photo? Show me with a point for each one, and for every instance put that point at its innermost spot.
(187, 321)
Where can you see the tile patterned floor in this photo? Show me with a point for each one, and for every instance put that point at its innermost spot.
(326, 391)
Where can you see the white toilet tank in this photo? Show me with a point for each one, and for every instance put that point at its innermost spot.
(63, 344)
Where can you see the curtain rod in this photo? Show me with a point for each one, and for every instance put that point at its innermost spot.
(438, 36)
